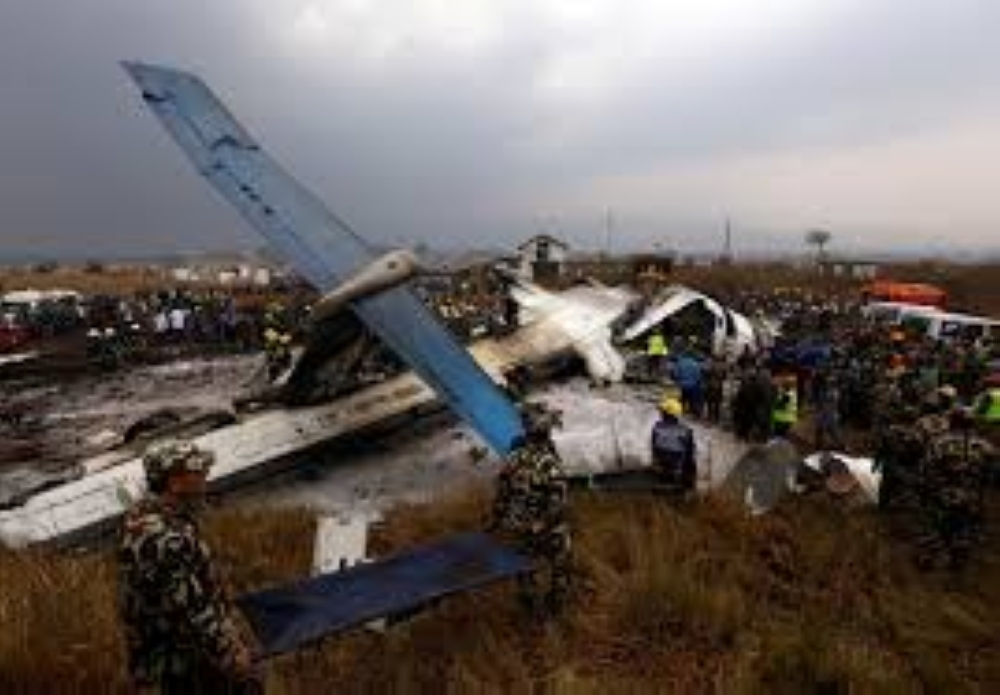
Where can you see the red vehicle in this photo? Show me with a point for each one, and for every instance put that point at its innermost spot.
(906, 292)
(13, 337)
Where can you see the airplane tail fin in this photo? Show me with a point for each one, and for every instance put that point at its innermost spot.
(324, 249)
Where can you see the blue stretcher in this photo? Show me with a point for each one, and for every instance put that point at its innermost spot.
(288, 617)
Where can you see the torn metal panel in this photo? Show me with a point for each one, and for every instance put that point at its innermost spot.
(18, 358)
(582, 321)
(577, 321)
(764, 475)
(862, 468)
(340, 543)
(732, 333)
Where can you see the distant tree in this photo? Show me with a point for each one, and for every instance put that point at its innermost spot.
(819, 238)
(93, 267)
(46, 267)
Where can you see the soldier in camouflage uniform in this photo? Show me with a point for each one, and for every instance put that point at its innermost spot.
(898, 456)
(956, 465)
(892, 438)
(531, 509)
(887, 398)
(180, 624)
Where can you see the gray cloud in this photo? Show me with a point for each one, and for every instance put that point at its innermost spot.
(476, 126)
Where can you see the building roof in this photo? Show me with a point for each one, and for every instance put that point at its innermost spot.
(542, 237)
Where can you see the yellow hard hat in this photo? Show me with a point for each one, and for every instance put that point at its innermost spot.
(671, 406)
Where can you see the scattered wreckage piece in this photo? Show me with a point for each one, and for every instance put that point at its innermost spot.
(18, 358)
(340, 543)
(578, 320)
(19, 485)
(592, 321)
(732, 333)
(770, 472)
(259, 445)
(764, 475)
(255, 446)
(832, 464)
(289, 617)
(634, 480)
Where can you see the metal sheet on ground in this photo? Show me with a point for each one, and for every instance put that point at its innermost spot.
(320, 245)
(635, 480)
(288, 617)
(763, 476)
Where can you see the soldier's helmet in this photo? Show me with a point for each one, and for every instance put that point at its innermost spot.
(174, 456)
(948, 394)
(539, 419)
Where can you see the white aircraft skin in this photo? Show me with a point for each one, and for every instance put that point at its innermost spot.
(580, 320)
(726, 343)
(577, 320)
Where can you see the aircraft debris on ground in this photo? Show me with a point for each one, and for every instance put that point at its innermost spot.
(333, 257)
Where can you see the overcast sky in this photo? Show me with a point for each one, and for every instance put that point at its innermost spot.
(473, 123)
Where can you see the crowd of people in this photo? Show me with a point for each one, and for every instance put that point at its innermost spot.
(120, 329)
(927, 410)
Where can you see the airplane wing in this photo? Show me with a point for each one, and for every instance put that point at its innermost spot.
(320, 246)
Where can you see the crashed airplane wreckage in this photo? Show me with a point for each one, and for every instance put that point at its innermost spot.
(338, 263)
(358, 288)
(598, 323)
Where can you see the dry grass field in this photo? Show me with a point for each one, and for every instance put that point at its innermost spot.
(703, 598)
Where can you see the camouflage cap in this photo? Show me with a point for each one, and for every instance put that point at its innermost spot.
(539, 419)
(948, 392)
(174, 456)
(841, 483)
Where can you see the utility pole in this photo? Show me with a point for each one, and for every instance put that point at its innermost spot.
(608, 227)
(727, 250)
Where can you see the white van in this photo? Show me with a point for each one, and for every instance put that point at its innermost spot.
(895, 313)
(943, 325)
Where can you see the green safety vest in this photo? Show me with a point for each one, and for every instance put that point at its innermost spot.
(786, 409)
(656, 346)
(992, 412)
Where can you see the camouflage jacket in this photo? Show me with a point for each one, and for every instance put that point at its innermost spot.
(176, 613)
(900, 446)
(886, 401)
(532, 492)
(956, 468)
(929, 428)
